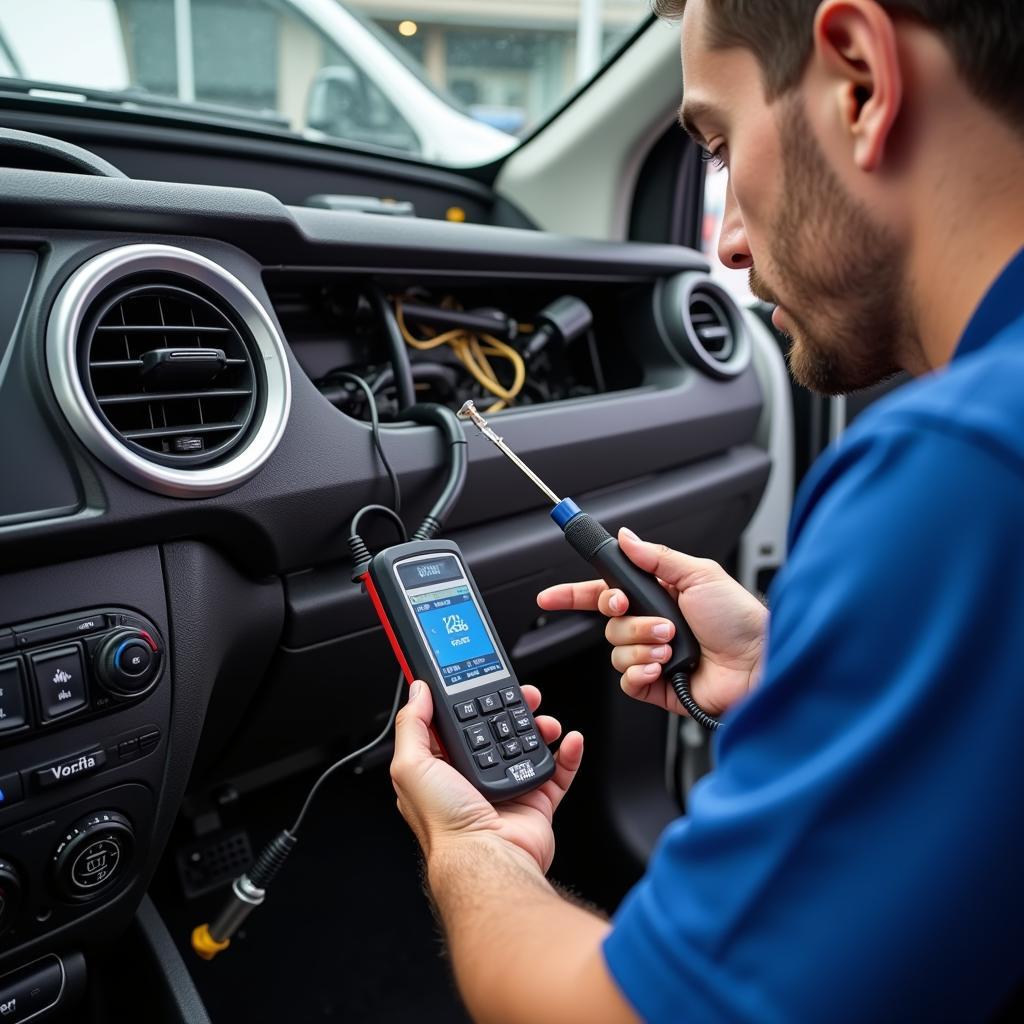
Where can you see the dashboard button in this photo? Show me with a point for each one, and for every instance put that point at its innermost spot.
(30, 991)
(60, 631)
(6, 640)
(12, 696)
(68, 769)
(133, 658)
(60, 681)
(11, 790)
(148, 740)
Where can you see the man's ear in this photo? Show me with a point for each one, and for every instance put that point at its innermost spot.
(855, 42)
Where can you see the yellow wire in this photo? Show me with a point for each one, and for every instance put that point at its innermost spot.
(466, 347)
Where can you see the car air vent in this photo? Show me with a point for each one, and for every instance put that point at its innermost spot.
(712, 326)
(169, 372)
(695, 322)
(169, 369)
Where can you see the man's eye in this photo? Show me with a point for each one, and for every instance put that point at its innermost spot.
(714, 157)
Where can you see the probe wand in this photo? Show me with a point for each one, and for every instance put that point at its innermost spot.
(596, 545)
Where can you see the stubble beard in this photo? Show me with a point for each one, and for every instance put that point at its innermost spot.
(841, 273)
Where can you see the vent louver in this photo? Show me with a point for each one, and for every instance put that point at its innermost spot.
(168, 369)
(712, 327)
(169, 372)
(696, 323)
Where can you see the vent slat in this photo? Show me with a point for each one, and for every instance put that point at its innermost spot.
(712, 327)
(196, 428)
(128, 364)
(160, 329)
(170, 396)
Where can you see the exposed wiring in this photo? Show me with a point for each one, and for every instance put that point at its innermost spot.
(473, 351)
(371, 402)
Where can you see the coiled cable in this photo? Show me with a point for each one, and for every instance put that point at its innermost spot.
(681, 684)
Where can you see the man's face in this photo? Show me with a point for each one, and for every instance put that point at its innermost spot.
(812, 249)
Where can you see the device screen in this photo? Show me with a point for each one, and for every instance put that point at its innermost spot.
(450, 622)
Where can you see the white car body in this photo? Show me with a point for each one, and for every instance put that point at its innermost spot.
(46, 38)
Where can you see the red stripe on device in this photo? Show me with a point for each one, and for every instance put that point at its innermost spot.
(385, 622)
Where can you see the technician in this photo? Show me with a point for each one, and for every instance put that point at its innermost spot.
(857, 853)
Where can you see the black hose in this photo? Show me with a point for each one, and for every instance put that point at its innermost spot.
(399, 352)
(448, 423)
(681, 685)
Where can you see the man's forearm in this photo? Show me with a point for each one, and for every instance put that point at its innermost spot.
(521, 952)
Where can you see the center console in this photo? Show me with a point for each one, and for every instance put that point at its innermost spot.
(85, 712)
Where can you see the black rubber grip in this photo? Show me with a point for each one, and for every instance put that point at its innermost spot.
(646, 595)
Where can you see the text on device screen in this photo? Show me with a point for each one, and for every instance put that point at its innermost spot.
(450, 621)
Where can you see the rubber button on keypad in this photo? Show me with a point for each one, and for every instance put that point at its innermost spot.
(477, 737)
(501, 726)
(488, 703)
(511, 748)
(522, 721)
(488, 759)
(510, 695)
(464, 712)
(530, 741)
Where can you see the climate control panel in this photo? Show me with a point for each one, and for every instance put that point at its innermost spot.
(57, 670)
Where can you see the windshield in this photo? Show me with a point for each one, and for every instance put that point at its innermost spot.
(454, 82)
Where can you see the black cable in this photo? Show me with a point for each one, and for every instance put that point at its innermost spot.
(371, 402)
(382, 510)
(450, 426)
(328, 772)
(399, 350)
(360, 552)
(681, 685)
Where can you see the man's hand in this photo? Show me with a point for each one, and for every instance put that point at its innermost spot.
(728, 622)
(441, 806)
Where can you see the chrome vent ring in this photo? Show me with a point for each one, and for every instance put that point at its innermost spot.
(168, 369)
(700, 325)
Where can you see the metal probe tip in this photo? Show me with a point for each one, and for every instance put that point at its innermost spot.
(470, 412)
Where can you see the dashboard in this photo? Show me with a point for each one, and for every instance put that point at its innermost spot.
(179, 468)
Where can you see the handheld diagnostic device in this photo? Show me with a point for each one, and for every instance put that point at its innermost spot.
(439, 628)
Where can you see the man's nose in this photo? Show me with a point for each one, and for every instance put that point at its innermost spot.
(733, 247)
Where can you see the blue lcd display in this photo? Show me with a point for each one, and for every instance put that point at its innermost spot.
(454, 629)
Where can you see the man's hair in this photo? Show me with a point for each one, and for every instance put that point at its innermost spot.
(985, 37)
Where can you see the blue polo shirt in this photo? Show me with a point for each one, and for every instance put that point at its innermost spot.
(858, 853)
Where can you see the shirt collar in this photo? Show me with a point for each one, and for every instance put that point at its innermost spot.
(1003, 304)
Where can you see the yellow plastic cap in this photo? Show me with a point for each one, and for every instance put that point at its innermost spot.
(205, 945)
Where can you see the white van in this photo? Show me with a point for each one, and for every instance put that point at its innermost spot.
(310, 66)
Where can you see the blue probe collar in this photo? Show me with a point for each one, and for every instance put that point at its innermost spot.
(565, 511)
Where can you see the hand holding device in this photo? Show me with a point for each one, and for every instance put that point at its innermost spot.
(440, 631)
(598, 547)
(728, 622)
(442, 806)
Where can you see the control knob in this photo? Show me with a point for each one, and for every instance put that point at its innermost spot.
(127, 663)
(93, 855)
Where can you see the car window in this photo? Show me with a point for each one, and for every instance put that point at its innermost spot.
(736, 282)
(453, 84)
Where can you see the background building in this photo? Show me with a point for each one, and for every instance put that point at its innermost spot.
(511, 63)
